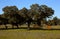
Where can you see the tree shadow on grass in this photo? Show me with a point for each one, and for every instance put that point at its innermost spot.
(13, 28)
(27, 28)
(42, 29)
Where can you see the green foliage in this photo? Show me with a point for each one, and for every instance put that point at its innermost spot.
(54, 21)
(36, 12)
(40, 12)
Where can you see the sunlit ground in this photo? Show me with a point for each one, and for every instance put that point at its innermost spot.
(29, 34)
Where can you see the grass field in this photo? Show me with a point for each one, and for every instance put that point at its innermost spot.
(29, 34)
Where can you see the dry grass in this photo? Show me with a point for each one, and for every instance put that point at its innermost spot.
(31, 34)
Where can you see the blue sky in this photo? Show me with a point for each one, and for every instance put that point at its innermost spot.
(55, 4)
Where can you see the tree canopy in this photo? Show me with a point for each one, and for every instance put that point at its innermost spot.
(36, 12)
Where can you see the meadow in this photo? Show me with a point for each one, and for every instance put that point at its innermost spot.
(29, 34)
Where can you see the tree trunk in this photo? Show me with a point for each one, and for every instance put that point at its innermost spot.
(28, 26)
(6, 27)
(17, 25)
(39, 23)
(12, 26)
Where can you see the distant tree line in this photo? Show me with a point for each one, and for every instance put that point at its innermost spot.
(54, 21)
(35, 15)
